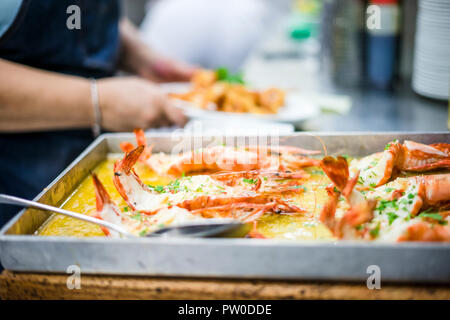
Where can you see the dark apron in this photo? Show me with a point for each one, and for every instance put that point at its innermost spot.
(40, 38)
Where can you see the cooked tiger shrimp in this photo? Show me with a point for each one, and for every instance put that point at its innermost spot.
(134, 221)
(356, 209)
(407, 210)
(225, 158)
(425, 231)
(206, 202)
(191, 193)
(106, 209)
(387, 212)
(264, 181)
(377, 169)
(141, 197)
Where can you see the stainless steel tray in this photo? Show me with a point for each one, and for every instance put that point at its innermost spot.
(20, 250)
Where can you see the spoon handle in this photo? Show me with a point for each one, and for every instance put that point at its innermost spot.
(6, 199)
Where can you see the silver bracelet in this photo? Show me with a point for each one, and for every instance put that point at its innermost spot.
(96, 127)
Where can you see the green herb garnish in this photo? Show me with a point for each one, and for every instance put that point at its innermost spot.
(159, 189)
(224, 75)
(143, 233)
(360, 180)
(389, 144)
(391, 216)
(251, 181)
(431, 215)
(374, 232)
(137, 217)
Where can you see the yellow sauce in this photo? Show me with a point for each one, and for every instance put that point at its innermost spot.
(302, 227)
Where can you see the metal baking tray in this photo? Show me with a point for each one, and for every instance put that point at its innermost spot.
(20, 250)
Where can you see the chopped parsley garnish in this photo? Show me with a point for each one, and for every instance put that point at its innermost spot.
(159, 189)
(389, 144)
(391, 216)
(137, 217)
(360, 180)
(125, 209)
(373, 185)
(389, 189)
(375, 232)
(143, 233)
(384, 204)
(175, 186)
(251, 181)
(431, 215)
(265, 178)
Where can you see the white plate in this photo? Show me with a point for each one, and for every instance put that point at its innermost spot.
(297, 109)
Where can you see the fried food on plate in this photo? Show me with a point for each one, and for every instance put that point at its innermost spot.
(221, 91)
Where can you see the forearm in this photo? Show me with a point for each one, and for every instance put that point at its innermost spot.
(32, 99)
(135, 53)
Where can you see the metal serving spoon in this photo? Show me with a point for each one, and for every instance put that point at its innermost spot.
(208, 229)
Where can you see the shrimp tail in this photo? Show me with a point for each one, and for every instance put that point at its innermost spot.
(126, 164)
(126, 181)
(141, 140)
(337, 170)
(101, 195)
(127, 146)
(106, 208)
(327, 215)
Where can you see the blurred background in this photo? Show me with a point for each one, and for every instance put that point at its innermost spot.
(363, 65)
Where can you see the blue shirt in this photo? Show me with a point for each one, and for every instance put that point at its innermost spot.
(8, 12)
(35, 33)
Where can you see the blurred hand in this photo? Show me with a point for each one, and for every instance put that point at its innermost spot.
(129, 103)
(165, 69)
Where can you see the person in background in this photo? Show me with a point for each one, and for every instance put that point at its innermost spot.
(208, 33)
(49, 98)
